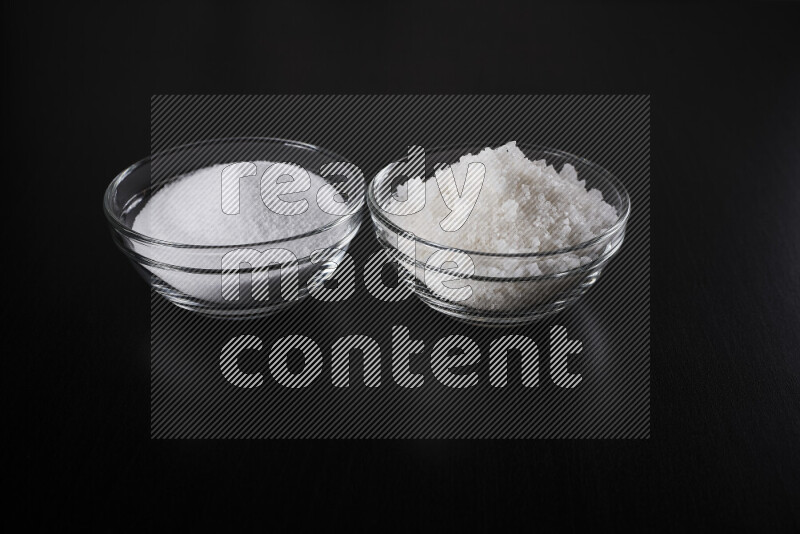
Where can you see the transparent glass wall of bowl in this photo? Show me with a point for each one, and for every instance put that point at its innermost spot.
(190, 276)
(510, 300)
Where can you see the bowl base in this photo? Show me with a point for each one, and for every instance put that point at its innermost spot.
(477, 318)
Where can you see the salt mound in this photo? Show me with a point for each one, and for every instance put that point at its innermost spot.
(188, 210)
(524, 206)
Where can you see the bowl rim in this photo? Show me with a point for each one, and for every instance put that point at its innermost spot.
(125, 230)
(377, 212)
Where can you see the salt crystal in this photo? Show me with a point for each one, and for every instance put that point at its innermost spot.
(524, 207)
(533, 207)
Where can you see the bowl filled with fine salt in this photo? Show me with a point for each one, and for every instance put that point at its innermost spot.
(498, 236)
(239, 227)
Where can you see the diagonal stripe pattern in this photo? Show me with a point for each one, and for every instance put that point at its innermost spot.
(369, 367)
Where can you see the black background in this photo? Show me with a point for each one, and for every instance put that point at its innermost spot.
(725, 250)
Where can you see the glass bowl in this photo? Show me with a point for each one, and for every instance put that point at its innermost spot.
(500, 300)
(189, 275)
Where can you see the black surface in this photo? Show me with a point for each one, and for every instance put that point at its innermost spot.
(725, 288)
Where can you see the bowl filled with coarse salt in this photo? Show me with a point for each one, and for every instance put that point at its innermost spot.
(498, 236)
(239, 227)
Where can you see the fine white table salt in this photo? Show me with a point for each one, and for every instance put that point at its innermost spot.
(189, 211)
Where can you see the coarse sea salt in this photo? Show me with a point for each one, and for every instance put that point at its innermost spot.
(523, 207)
